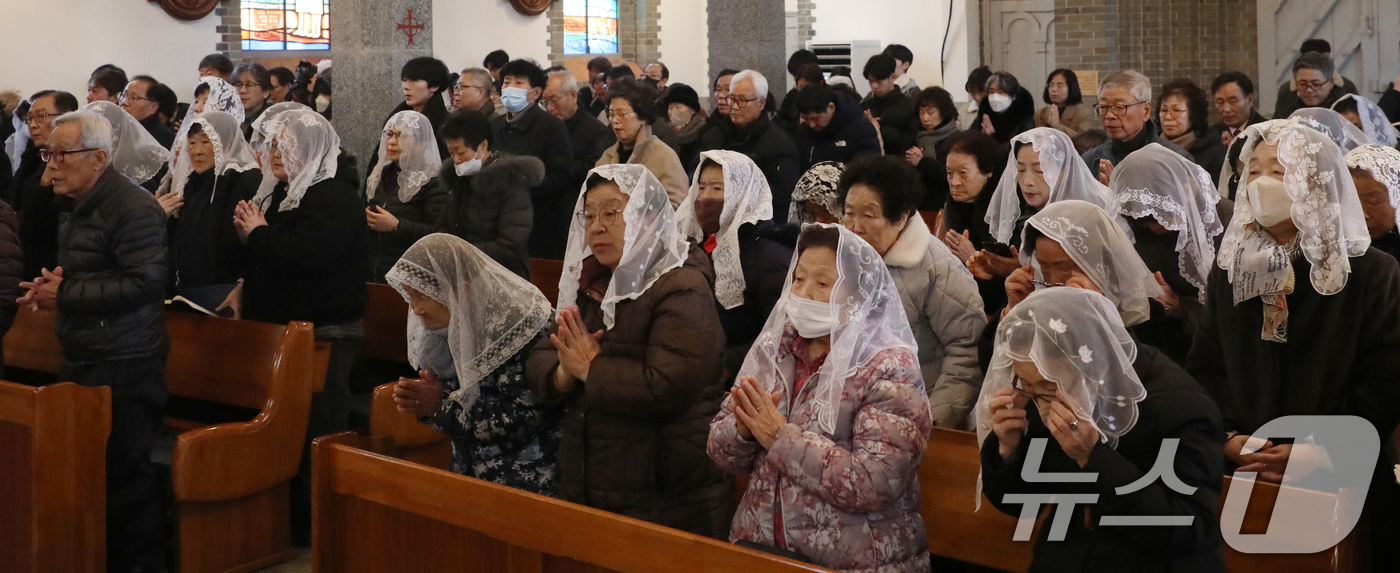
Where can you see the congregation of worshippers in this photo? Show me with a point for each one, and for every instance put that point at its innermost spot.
(796, 287)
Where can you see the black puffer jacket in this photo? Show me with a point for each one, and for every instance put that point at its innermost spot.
(204, 245)
(11, 266)
(848, 136)
(112, 250)
(899, 120)
(765, 263)
(492, 209)
(416, 218)
(769, 147)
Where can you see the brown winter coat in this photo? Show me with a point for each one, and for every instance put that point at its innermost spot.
(658, 158)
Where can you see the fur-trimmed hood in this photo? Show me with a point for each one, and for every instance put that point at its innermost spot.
(500, 172)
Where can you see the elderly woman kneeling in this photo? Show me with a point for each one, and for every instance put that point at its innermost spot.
(830, 416)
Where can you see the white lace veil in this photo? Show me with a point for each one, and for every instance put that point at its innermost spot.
(1384, 165)
(1102, 251)
(310, 148)
(653, 245)
(418, 163)
(1179, 195)
(1373, 120)
(135, 153)
(222, 97)
(1246, 139)
(1064, 171)
(495, 313)
(870, 320)
(1332, 124)
(817, 185)
(259, 137)
(230, 151)
(1326, 210)
(747, 200)
(1076, 340)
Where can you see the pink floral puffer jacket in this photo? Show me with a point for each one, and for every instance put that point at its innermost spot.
(850, 501)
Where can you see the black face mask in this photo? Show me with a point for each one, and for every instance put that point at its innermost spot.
(650, 82)
(708, 211)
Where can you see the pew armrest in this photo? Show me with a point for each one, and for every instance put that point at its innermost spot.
(229, 461)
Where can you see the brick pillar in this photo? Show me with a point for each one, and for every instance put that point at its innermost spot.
(750, 34)
(230, 30)
(555, 13)
(805, 21)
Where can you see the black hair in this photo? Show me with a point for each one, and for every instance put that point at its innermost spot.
(880, 67)
(468, 125)
(196, 128)
(594, 180)
(619, 72)
(814, 99)
(640, 96)
(819, 236)
(896, 182)
(899, 52)
(1089, 139)
(1075, 96)
(219, 62)
(989, 153)
(722, 73)
(63, 102)
(430, 70)
(323, 87)
(665, 71)
(1004, 80)
(1317, 45)
(1315, 61)
(977, 80)
(495, 60)
(260, 74)
(165, 97)
(811, 73)
(199, 90)
(1197, 104)
(284, 76)
(1345, 105)
(1032, 234)
(525, 69)
(599, 65)
(110, 78)
(939, 98)
(801, 58)
(1237, 78)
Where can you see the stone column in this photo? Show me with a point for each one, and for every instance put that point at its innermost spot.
(750, 34)
(368, 49)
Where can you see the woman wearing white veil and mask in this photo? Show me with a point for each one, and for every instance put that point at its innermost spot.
(1332, 124)
(830, 417)
(135, 153)
(214, 171)
(401, 189)
(1107, 406)
(635, 360)
(729, 212)
(473, 325)
(1375, 170)
(1369, 118)
(1171, 205)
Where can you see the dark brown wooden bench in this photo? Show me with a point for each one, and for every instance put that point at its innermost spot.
(544, 274)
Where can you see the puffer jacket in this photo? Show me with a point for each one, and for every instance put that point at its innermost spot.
(491, 210)
(765, 261)
(848, 136)
(11, 266)
(112, 250)
(850, 499)
(634, 433)
(945, 311)
(416, 218)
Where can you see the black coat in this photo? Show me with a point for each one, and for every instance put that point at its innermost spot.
(765, 263)
(1209, 153)
(848, 136)
(1254, 117)
(1175, 408)
(159, 130)
(1170, 334)
(492, 210)
(38, 214)
(204, 245)
(11, 266)
(769, 147)
(971, 218)
(538, 134)
(1390, 104)
(309, 263)
(1017, 119)
(1287, 100)
(112, 250)
(589, 138)
(416, 218)
(899, 120)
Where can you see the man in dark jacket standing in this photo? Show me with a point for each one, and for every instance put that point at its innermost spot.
(30, 195)
(588, 136)
(108, 290)
(899, 121)
(749, 131)
(833, 128)
(140, 101)
(525, 129)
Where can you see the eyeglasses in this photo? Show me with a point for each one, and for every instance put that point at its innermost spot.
(607, 217)
(620, 114)
(1313, 86)
(461, 88)
(1041, 283)
(1174, 111)
(41, 118)
(58, 156)
(125, 96)
(247, 85)
(1018, 387)
(1117, 110)
(741, 102)
(555, 101)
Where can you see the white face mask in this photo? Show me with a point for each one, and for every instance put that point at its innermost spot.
(1269, 200)
(999, 102)
(467, 168)
(812, 319)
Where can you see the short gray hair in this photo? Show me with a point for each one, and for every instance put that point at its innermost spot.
(476, 77)
(760, 83)
(97, 131)
(1131, 80)
(567, 82)
(1316, 61)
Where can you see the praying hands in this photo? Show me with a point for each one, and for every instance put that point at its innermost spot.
(247, 217)
(42, 292)
(577, 349)
(756, 414)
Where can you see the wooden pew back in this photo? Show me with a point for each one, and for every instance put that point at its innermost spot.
(32, 342)
(544, 274)
(386, 325)
(376, 513)
(404, 436)
(221, 360)
(52, 477)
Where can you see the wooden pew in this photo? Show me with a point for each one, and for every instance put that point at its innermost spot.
(544, 274)
(402, 436)
(53, 491)
(375, 513)
(386, 325)
(32, 342)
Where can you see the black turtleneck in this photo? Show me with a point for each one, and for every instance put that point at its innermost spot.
(1121, 149)
(158, 130)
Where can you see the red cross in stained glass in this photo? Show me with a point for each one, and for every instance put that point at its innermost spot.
(410, 26)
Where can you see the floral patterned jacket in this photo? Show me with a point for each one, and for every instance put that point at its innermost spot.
(849, 501)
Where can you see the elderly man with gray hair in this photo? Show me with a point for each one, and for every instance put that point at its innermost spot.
(748, 130)
(108, 290)
(473, 91)
(1125, 106)
(589, 136)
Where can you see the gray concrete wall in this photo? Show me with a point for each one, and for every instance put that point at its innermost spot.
(750, 34)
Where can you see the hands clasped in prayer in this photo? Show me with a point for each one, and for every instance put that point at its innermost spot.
(42, 293)
(756, 413)
(247, 217)
(419, 396)
(577, 348)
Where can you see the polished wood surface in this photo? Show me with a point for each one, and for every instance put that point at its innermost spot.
(544, 274)
(377, 513)
(32, 341)
(386, 325)
(405, 437)
(53, 511)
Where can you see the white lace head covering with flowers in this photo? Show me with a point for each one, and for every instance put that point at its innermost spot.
(652, 243)
(258, 140)
(747, 200)
(1179, 195)
(1383, 163)
(1101, 250)
(1373, 120)
(310, 149)
(135, 153)
(230, 151)
(1334, 125)
(418, 162)
(1065, 172)
(495, 313)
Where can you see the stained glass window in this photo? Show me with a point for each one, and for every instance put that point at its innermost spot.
(590, 26)
(286, 24)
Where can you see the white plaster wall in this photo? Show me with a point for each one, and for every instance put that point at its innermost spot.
(464, 31)
(918, 24)
(685, 45)
(55, 44)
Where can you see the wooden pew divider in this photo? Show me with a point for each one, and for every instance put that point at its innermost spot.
(544, 274)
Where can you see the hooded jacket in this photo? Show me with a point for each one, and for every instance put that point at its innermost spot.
(848, 136)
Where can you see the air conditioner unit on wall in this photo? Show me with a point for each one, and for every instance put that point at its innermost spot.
(852, 55)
